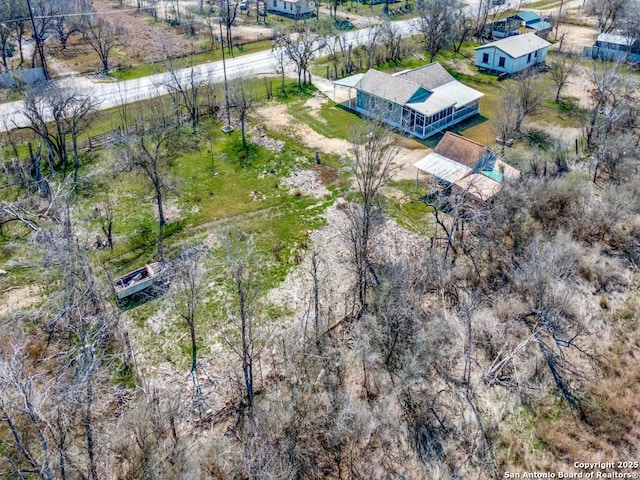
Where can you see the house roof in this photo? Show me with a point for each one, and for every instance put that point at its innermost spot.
(452, 94)
(396, 89)
(349, 81)
(518, 45)
(442, 167)
(478, 185)
(461, 150)
(615, 39)
(468, 165)
(430, 76)
(539, 26)
(427, 90)
(528, 16)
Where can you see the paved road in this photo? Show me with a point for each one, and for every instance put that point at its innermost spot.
(111, 94)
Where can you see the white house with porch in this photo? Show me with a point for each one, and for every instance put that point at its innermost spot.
(422, 102)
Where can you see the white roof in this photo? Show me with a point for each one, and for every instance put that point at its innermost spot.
(615, 39)
(518, 45)
(349, 81)
(442, 167)
(451, 94)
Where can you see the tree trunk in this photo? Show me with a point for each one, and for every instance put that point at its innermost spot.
(93, 473)
(161, 219)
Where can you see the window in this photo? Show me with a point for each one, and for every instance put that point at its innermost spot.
(275, 3)
(529, 58)
(390, 106)
(485, 58)
(536, 55)
(501, 62)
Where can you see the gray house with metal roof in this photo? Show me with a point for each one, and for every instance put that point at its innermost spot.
(422, 102)
(512, 54)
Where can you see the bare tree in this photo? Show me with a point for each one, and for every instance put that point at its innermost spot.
(526, 93)
(504, 119)
(461, 29)
(608, 12)
(103, 36)
(23, 404)
(184, 86)
(436, 24)
(281, 60)
(228, 11)
(613, 105)
(562, 67)
(71, 113)
(144, 151)
(67, 21)
(371, 163)
(188, 281)
(242, 98)
(301, 49)
(245, 335)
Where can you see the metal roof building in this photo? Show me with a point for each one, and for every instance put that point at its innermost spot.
(422, 102)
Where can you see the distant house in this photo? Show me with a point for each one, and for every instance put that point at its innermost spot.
(533, 23)
(466, 166)
(422, 102)
(529, 21)
(616, 47)
(506, 27)
(513, 54)
(292, 8)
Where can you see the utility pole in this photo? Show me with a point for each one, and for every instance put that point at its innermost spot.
(38, 43)
(227, 128)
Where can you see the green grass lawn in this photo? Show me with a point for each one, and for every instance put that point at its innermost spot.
(146, 69)
(335, 121)
(406, 208)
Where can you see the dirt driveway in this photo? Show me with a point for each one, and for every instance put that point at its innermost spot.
(276, 116)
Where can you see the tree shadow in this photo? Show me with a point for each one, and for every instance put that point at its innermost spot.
(148, 294)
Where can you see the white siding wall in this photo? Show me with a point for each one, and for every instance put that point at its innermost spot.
(302, 7)
(511, 65)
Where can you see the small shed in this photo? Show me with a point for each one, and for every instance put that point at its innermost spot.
(513, 54)
(609, 46)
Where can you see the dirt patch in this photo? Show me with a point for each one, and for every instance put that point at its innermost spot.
(314, 104)
(334, 268)
(579, 86)
(17, 298)
(306, 182)
(277, 117)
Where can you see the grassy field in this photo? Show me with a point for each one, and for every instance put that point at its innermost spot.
(143, 70)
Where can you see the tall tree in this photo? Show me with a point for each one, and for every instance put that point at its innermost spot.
(371, 163)
(184, 86)
(562, 67)
(436, 24)
(55, 113)
(242, 98)
(188, 281)
(301, 48)
(608, 12)
(245, 336)
(144, 151)
(103, 36)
